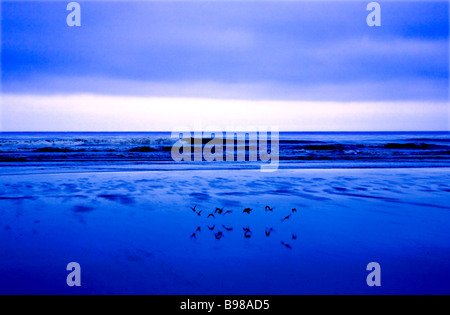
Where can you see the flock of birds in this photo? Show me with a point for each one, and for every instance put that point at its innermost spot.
(220, 212)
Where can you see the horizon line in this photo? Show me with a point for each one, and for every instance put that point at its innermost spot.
(292, 131)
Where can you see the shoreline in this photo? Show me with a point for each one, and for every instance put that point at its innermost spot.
(38, 170)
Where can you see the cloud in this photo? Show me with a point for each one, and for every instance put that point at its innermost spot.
(153, 65)
(302, 46)
(389, 89)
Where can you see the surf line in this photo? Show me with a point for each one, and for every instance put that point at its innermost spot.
(251, 146)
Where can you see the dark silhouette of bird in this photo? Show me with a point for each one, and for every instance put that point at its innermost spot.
(285, 218)
(268, 208)
(193, 235)
(247, 229)
(194, 209)
(248, 210)
(227, 228)
(268, 231)
(286, 245)
(294, 210)
(198, 229)
(294, 236)
(211, 215)
(199, 213)
(211, 227)
(219, 211)
(248, 232)
(218, 235)
(228, 211)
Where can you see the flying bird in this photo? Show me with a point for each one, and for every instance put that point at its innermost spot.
(193, 235)
(286, 245)
(285, 218)
(294, 210)
(269, 208)
(248, 210)
(218, 235)
(194, 209)
(212, 227)
(227, 228)
(199, 213)
(198, 229)
(211, 215)
(247, 233)
(268, 231)
(218, 210)
(228, 211)
(294, 236)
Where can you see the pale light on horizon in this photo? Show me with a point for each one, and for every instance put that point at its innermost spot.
(89, 112)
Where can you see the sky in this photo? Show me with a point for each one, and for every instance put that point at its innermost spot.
(165, 65)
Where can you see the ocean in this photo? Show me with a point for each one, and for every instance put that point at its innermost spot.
(114, 151)
(139, 223)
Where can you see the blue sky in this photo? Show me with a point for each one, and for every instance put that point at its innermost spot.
(290, 55)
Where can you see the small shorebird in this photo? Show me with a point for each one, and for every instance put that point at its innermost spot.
(198, 229)
(211, 215)
(248, 210)
(268, 208)
(218, 210)
(294, 210)
(193, 235)
(199, 213)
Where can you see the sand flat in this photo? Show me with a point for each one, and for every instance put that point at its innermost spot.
(132, 231)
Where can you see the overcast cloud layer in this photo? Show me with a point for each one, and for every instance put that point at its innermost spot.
(268, 46)
(293, 53)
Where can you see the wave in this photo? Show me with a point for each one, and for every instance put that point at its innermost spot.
(115, 141)
(57, 150)
(430, 139)
(150, 148)
(416, 146)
